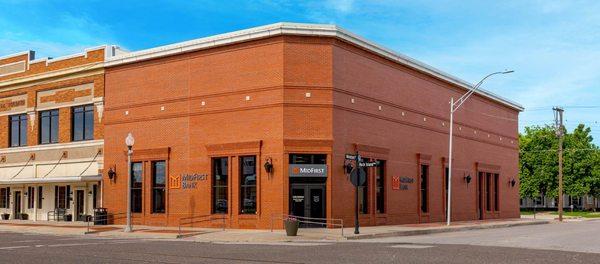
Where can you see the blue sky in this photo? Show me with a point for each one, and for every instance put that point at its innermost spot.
(553, 46)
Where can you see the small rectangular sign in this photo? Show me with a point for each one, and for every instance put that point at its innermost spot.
(369, 164)
(308, 170)
(350, 156)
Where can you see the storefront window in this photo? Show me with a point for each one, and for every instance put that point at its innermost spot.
(61, 197)
(496, 194)
(30, 197)
(83, 123)
(380, 187)
(136, 187)
(248, 184)
(40, 197)
(363, 193)
(4, 193)
(158, 186)
(220, 184)
(488, 192)
(424, 188)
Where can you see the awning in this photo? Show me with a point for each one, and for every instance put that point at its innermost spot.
(52, 180)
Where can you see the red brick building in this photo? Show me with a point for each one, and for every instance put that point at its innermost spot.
(208, 114)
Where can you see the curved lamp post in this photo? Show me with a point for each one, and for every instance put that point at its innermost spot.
(129, 140)
(453, 107)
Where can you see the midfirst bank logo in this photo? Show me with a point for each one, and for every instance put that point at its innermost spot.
(308, 170)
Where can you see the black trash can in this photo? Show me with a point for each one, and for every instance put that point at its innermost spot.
(100, 216)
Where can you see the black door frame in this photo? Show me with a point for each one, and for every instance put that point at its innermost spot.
(17, 209)
(79, 207)
(307, 187)
(480, 194)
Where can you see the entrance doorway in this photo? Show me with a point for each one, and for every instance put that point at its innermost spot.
(79, 196)
(17, 205)
(308, 200)
(480, 192)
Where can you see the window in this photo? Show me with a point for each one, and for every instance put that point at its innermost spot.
(380, 187)
(496, 194)
(220, 183)
(136, 187)
(4, 197)
(424, 188)
(363, 193)
(40, 197)
(95, 196)
(30, 197)
(49, 126)
(83, 123)
(61, 197)
(488, 192)
(158, 186)
(248, 184)
(18, 130)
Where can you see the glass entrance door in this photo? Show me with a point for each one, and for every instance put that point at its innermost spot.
(17, 205)
(308, 200)
(80, 194)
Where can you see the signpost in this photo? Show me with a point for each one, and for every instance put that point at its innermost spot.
(358, 177)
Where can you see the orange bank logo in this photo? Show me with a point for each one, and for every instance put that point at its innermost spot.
(296, 170)
(175, 181)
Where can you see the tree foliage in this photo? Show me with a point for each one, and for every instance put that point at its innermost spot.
(538, 162)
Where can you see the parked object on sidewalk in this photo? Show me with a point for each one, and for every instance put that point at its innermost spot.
(100, 216)
(291, 226)
(23, 216)
(5, 216)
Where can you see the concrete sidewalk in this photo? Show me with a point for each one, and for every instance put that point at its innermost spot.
(263, 236)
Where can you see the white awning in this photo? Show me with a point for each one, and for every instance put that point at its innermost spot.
(52, 180)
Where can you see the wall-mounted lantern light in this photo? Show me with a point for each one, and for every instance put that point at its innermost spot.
(512, 182)
(348, 168)
(269, 165)
(112, 174)
(468, 178)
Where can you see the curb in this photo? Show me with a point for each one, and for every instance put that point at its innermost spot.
(444, 230)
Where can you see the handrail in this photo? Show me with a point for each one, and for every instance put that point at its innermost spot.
(191, 221)
(308, 220)
(94, 218)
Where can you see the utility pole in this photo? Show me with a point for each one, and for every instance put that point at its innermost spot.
(558, 119)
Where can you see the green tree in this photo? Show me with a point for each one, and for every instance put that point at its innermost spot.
(538, 162)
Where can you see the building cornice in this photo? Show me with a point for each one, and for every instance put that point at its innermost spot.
(297, 29)
(69, 145)
(59, 75)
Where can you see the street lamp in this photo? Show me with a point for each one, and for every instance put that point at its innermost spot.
(453, 107)
(129, 140)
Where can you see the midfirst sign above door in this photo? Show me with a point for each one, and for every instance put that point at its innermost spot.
(308, 170)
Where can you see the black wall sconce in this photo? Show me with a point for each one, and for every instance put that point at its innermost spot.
(348, 168)
(269, 165)
(468, 178)
(512, 182)
(112, 174)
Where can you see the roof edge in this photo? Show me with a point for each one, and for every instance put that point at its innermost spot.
(284, 28)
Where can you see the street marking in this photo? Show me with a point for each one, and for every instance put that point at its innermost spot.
(307, 244)
(15, 247)
(411, 246)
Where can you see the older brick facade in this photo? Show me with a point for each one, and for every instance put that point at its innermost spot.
(291, 93)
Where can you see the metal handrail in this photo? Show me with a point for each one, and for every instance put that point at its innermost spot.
(309, 220)
(190, 220)
(94, 218)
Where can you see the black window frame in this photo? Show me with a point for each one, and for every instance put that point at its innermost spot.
(137, 188)
(424, 188)
(488, 192)
(363, 191)
(247, 190)
(21, 123)
(159, 190)
(82, 110)
(52, 117)
(218, 202)
(40, 197)
(95, 196)
(496, 192)
(30, 197)
(380, 185)
(5, 197)
(65, 191)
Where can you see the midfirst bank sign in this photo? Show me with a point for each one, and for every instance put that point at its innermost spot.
(308, 170)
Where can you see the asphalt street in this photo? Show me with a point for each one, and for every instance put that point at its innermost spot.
(459, 247)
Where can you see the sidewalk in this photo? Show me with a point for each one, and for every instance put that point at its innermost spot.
(263, 236)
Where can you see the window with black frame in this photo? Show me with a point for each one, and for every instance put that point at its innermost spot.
(18, 130)
(424, 188)
(30, 197)
(158, 186)
(49, 126)
(136, 187)
(363, 193)
(61, 197)
(4, 197)
(248, 184)
(40, 197)
(380, 187)
(83, 123)
(219, 185)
